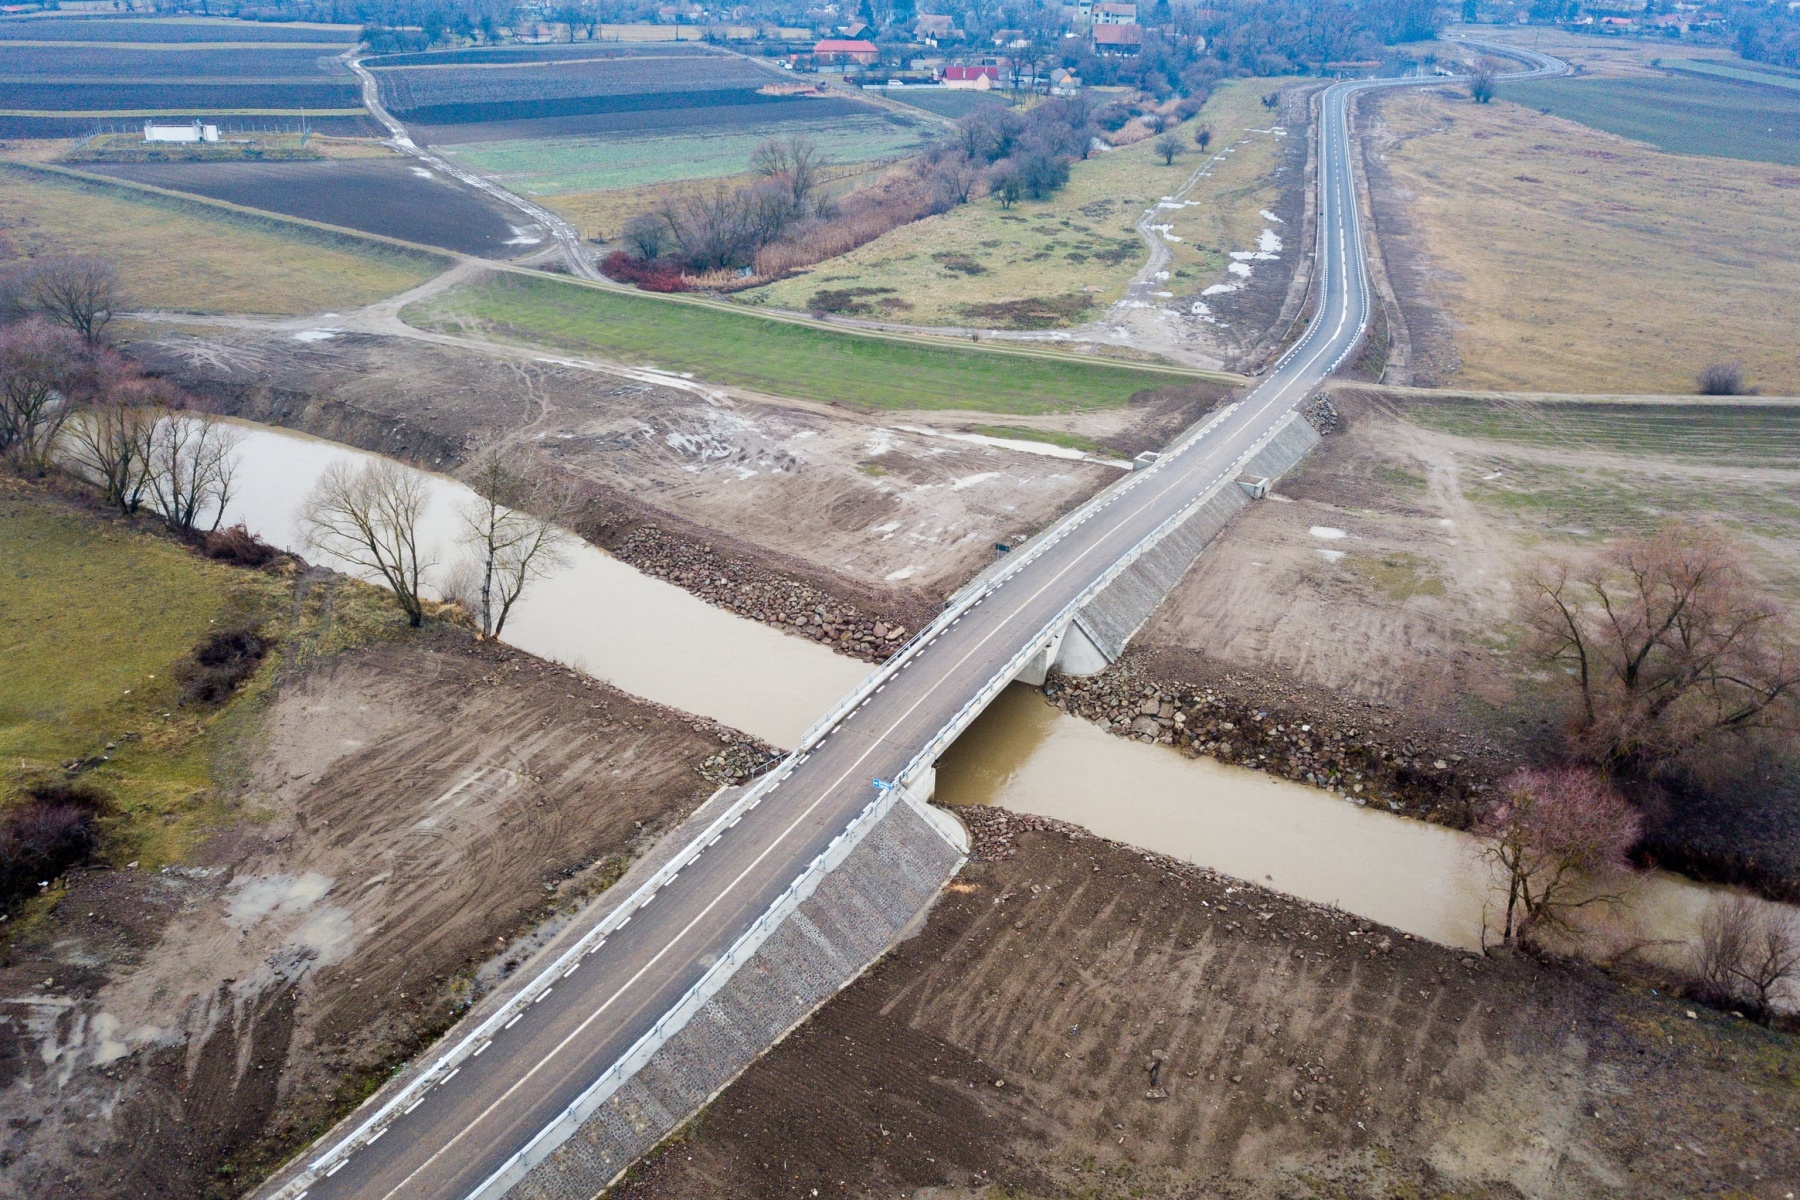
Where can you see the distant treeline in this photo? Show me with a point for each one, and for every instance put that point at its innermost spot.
(1765, 33)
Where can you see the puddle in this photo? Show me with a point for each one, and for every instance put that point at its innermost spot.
(595, 614)
(1026, 755)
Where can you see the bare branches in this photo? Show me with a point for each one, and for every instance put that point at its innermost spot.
(1482, 80)
(1556, 838)
(1667, 642)
(40, 365)
(1748, 951)
(189, 467)
(1167, 147)
(512, 532)
(369, 517)
(77, 291)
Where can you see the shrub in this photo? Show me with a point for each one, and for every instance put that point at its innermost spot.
(219, 664)
(1722, 379)
(236, 544)
(54, 829)
(651, 276)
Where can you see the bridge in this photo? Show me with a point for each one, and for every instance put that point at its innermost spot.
(773, 896)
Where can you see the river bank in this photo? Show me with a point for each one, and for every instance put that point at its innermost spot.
(1080, 1018)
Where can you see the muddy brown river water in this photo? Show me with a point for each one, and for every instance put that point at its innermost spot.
(655, 640)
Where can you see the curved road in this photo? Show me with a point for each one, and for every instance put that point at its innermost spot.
(454, 1133)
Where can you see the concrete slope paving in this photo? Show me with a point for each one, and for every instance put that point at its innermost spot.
(471, 1112)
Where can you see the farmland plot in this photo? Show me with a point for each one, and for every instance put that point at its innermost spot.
(392, 197)
(130, 96)
(556, 166)
(171, 29)
(490, 55)
(723, 111)
(67, 64)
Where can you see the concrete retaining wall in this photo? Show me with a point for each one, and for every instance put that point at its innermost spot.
(1109, 620)
(857, 912)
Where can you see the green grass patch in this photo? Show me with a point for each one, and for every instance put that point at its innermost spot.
(99, 613)
(1717, 70)
(1396, 576)
(1683, 114)
(787, 359)
(552, 166)
(1746, 434)
(1055, 437)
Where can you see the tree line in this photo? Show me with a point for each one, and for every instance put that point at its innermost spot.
(71, 405)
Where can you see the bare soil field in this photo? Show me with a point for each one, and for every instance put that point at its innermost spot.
(112, 28)
(1080, 1019)
(398, 816)
(1533, 253)
(392, 196)
(897, 503)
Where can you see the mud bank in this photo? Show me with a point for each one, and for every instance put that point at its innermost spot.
(1081, 1019)
(403, 813)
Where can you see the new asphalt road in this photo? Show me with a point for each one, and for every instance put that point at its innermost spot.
(451, 1136)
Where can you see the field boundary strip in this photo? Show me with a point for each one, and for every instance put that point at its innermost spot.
(335, 237)
(926, 341)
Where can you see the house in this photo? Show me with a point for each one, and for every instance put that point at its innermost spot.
(932, 26)
(180, 133)
(1118, 39)
(1064, 82)
(978, 79)
(1115, 14)
(846, 50)
(854, 29)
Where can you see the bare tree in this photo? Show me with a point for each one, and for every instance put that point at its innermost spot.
(1667, 643)
(189, 468)
(78, 291)
(953, 179)
(369, 516)
(1203, 137)
(794, 164)
(1167, 147)
(39, 368)
(1555, 837)
(1746, 953)
(109, 444)
(511, 529)
(648, 236)
(1482, 80)
(1722, 379)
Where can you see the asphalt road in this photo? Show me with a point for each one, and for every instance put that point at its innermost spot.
(469, 1125)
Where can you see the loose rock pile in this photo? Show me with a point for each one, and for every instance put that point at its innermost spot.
(1355, 749)
(1322, 415)
(753, 591)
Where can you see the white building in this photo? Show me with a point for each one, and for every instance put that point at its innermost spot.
(181, 133)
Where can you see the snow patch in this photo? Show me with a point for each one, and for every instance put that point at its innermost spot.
(1327, 533)
(1266, 215)
(316, 335)
(1331, 555)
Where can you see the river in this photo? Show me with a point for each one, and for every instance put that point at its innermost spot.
(596, 614)
(655, 640)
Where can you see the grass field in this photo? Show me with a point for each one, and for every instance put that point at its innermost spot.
(1763, 76)
(194, 257)
(1683, 114)
(555, 166)
(1573, 261)
(945, 102)
(98, 613)
(1748, 433)
(799, 361)
(1071, 254)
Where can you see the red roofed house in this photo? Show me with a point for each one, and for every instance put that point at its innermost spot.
(1118, 39)
(978, 78)
(841, 50)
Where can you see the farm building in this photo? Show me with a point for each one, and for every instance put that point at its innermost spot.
(844, 50)
(1115, 14)
(180, 133)
(977, 78)
(1118, 39)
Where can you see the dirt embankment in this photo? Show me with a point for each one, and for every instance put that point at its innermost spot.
(1080, 1019)
(406, 811)
(877, 515)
